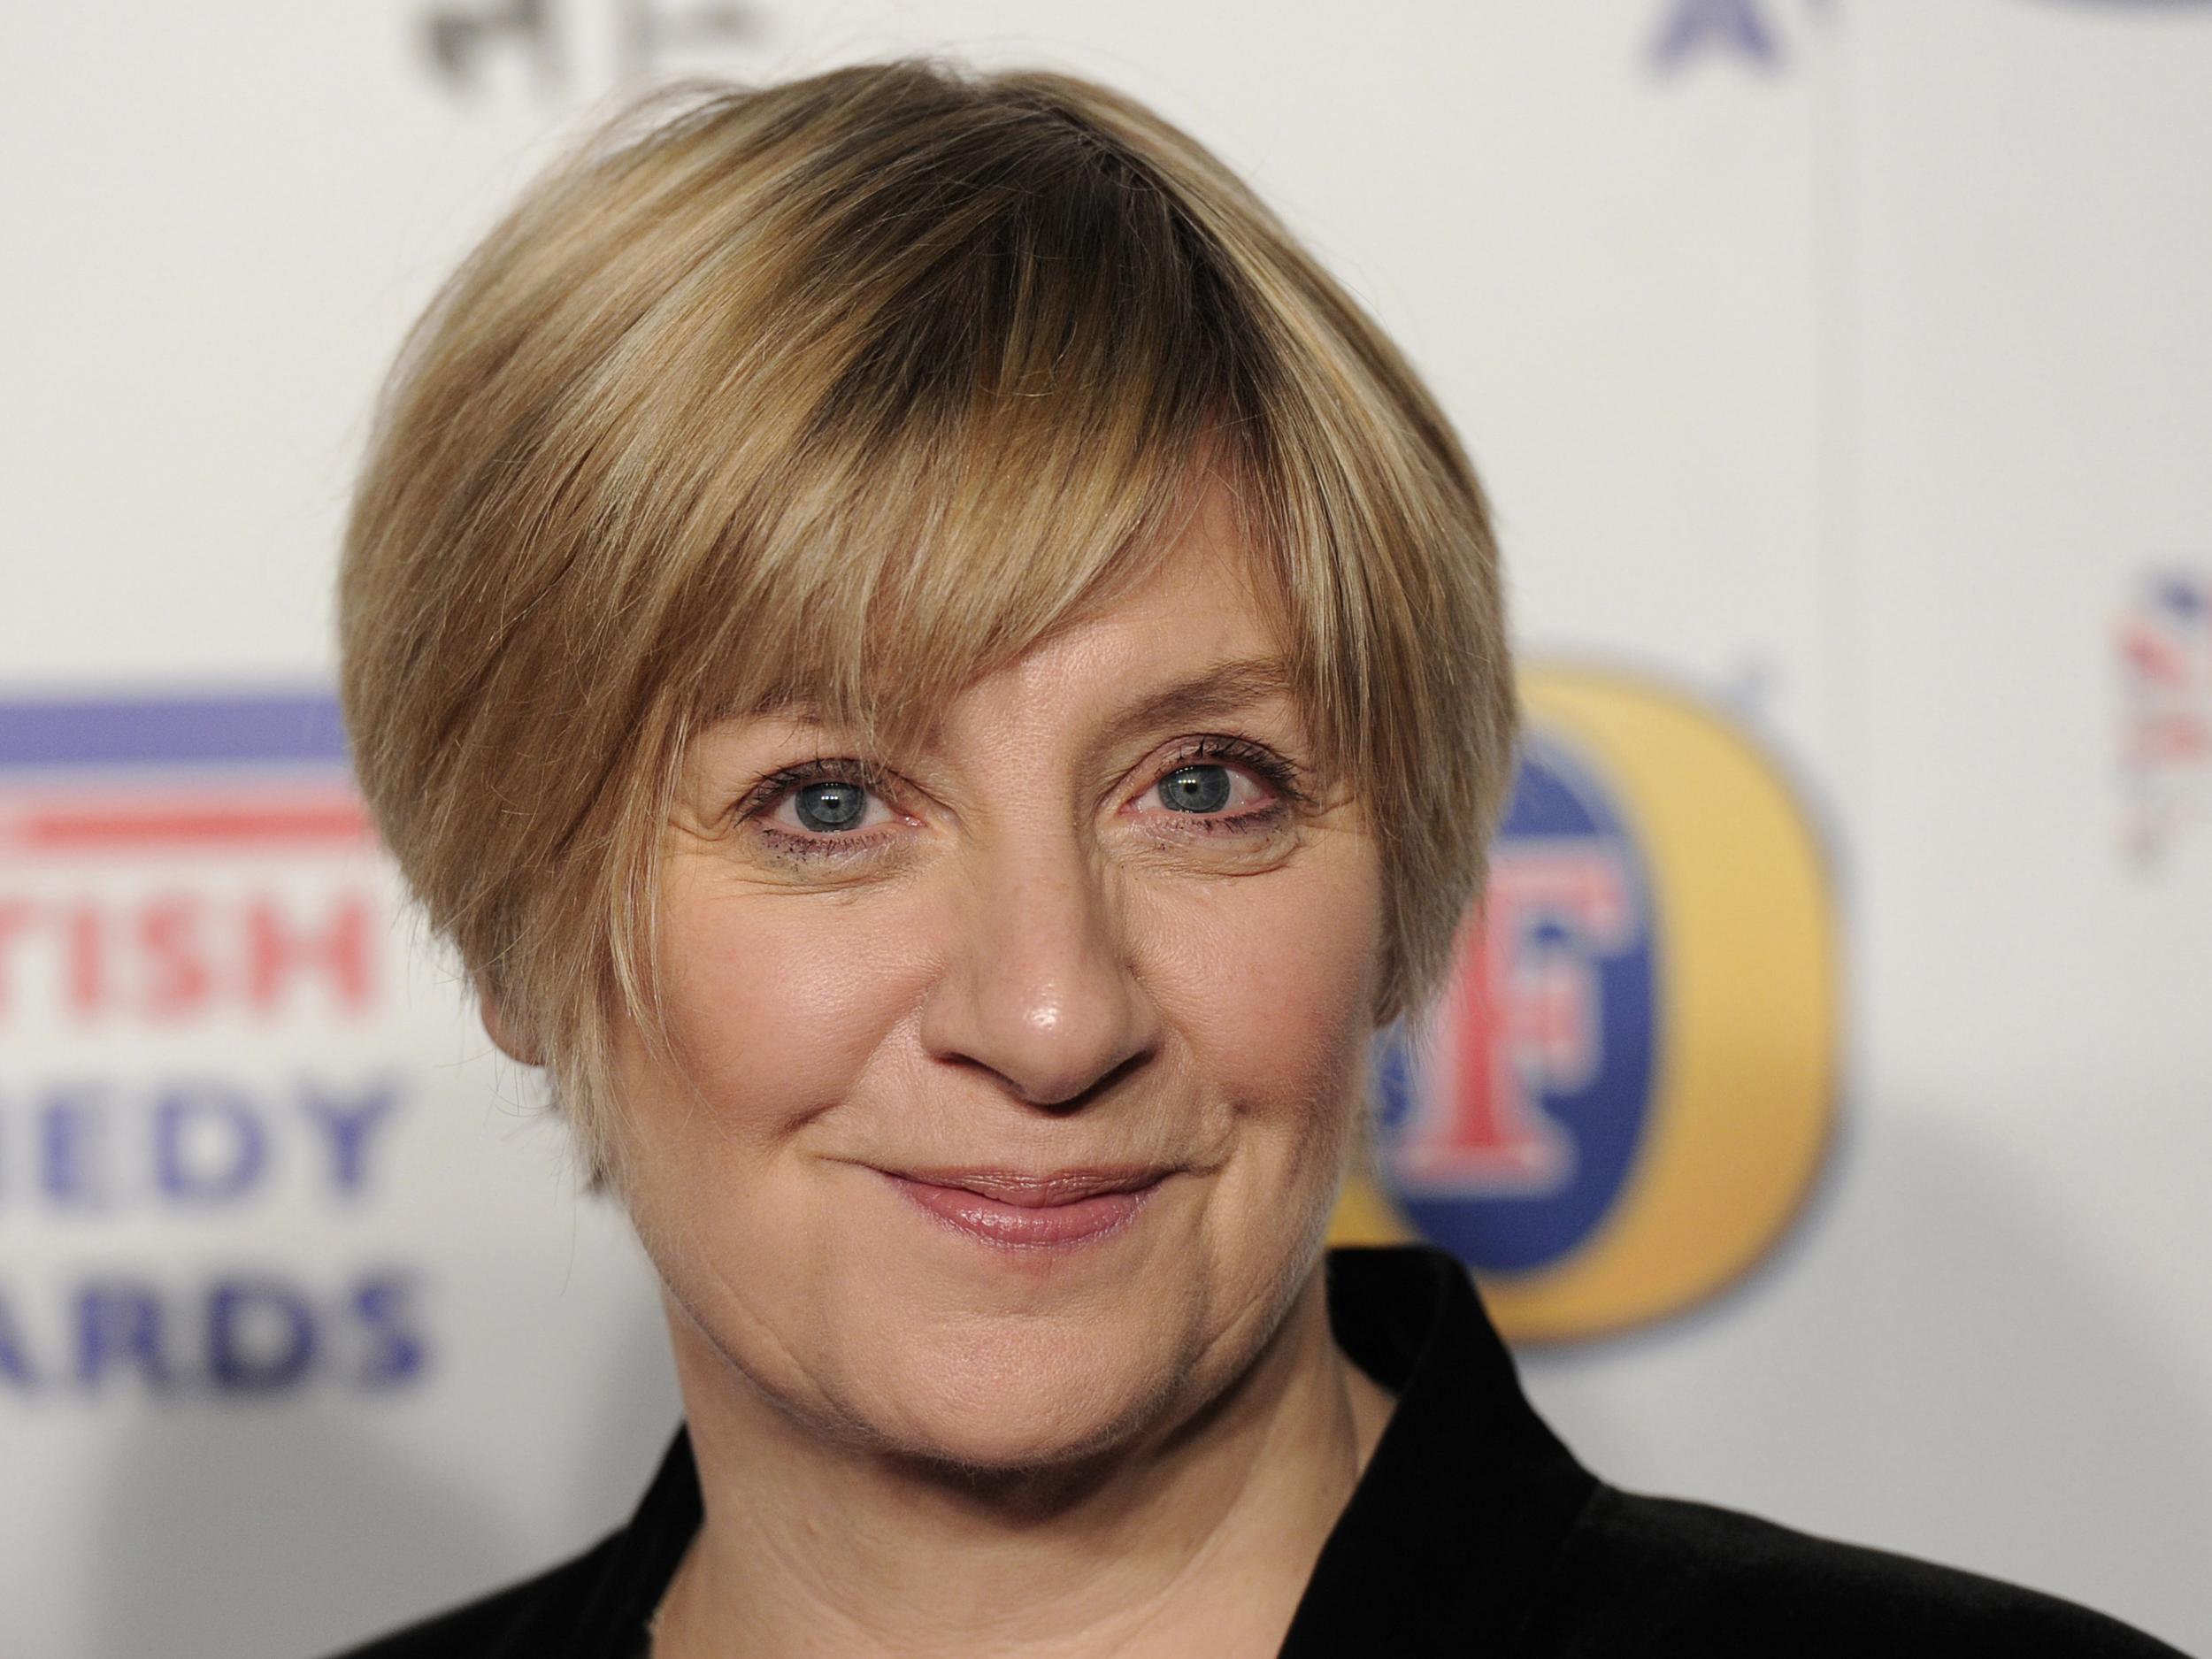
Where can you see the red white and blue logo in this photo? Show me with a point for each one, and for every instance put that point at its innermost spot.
(162, 827)
(194, 952)
(1538, 1079)
(175, 772)
(2165, 652)
(1624, 1094)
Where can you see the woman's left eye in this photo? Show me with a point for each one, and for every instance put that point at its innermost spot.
(1205, 786)
(1197, 788)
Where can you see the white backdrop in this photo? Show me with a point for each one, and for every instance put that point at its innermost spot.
(1846, 360)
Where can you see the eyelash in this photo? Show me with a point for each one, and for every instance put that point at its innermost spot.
(1277, 773)
(770, 791)
(1280, 775)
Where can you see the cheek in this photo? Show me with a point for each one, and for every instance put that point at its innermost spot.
(1273, 980)
(773, 1007)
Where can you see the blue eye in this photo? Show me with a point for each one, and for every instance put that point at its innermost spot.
(1197, 788)
(827, 806)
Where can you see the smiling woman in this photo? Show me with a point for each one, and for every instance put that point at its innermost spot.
(945, 681)
(1085, 967)
(840, 393)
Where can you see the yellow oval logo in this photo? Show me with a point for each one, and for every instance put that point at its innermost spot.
(1630, 1086)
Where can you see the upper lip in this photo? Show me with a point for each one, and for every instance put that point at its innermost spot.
(1028, 1189)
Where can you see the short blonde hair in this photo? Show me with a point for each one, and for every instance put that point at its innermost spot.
(855, 387)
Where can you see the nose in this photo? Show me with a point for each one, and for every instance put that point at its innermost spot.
(1039, 988)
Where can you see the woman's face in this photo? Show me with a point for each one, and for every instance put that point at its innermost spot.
(1017, 1073)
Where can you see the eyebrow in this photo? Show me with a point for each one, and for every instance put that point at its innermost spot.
(1222, 689)
(1225, 687)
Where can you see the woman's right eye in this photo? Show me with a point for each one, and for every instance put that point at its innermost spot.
(827, 806)
(831, 809)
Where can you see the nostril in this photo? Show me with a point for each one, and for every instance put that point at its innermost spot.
(1053, 1008)
(1067, 1102)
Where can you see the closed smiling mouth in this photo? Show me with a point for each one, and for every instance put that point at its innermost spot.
(1031, 1208)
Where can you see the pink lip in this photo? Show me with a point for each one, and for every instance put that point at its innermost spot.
(1004, 1207)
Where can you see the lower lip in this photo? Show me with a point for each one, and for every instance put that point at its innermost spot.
(1078, 1221)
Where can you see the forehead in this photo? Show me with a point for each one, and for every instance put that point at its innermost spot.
(1198, 599)
(1188, 645)
(1197, 603)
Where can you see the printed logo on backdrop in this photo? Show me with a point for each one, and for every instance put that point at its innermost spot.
(192, 945)
(1626, 1095)
(1750, 31)
(2164, 647)
(467, 43)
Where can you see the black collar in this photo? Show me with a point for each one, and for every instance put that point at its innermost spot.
(1468, 1497)
(1463, 1506)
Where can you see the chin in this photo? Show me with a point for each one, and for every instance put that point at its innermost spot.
(1026, 1402)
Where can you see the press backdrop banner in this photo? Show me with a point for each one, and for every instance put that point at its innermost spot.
(1825, 1098)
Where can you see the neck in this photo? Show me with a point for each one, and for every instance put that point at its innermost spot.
(1200, 1538)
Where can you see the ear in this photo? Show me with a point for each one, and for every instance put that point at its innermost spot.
(498, 1028)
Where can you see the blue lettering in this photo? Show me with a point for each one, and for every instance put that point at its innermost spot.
(383, 1305)
(346, 1124)
(243, 1335)
(15, 1367)
(1737, 25)
(119, 1324)
(185, 1121)
(260, 1336)
(69, 1139)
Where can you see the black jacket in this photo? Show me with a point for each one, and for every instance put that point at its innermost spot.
(1473, 1531)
